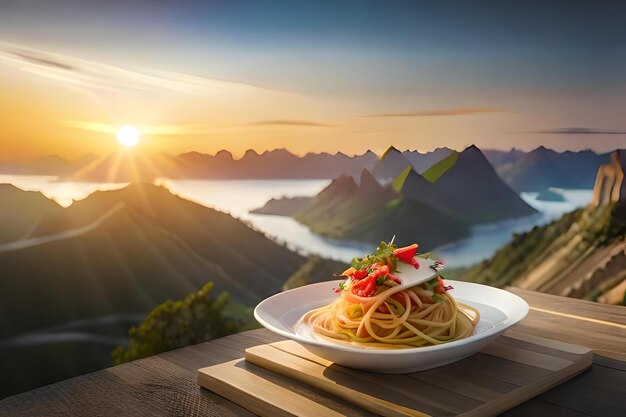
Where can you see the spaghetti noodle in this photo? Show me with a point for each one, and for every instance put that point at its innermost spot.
(375, 311)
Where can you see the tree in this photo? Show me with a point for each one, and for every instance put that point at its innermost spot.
(173, 324)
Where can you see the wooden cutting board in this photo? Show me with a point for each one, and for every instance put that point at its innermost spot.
(284, 379)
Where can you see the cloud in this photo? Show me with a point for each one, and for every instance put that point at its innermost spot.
(581, 131)
(74, 71)
(158, 130)
(464, 111)
(90, 126)
(296, 123)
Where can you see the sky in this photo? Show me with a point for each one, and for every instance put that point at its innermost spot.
(310, 76)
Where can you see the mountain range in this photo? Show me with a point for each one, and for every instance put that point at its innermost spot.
(75, 279)
(370, 212)
(45, 165)
(474, 190)
(536, 170)
(543, 168)
(394, 199)
(126, 251)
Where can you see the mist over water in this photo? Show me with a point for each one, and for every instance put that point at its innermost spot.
(487, 239)
(238, 197)
(64, 193)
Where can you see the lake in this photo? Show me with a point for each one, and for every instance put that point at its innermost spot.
(238, 197)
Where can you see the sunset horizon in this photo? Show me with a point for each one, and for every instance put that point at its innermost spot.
(391, 73)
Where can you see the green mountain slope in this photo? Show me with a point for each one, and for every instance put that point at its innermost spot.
(72, 287)
(392, 162)
(475, 192)
(433, 173)
(21, 211)
(126, 251)
(370, 212)
(582, 255)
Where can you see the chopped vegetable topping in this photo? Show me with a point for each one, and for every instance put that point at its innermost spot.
(375, 270)
(382, 255)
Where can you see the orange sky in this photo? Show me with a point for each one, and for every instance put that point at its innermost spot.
(46, 95)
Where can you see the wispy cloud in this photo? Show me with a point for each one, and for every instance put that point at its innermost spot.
(295, 123)
(94, 75)
(158, 130)
(464, 111)
(581, 131)
(90, 126)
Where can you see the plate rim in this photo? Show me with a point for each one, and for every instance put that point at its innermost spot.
(508, 322)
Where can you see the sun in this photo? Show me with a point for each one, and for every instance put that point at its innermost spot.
(128, 136)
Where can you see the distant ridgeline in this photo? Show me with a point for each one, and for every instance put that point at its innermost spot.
(544, 168)
(533, 171)
(434, 206)
(581, 255)
(75, 279)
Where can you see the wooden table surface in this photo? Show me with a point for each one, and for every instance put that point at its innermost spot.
(165, 384)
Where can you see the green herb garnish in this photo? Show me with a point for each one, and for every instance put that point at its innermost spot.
(383, 255)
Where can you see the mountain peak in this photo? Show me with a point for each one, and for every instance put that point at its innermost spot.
(224, 154)
(191, 154)
(390, 151)
(278, 151)
(344, 180)
(340, 186)
(368, 181)
(250, 153)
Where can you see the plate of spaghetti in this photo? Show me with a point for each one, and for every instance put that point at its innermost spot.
(372, 320)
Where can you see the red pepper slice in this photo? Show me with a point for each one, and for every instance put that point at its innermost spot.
(407, 253)
(366, 287)
(359, 274)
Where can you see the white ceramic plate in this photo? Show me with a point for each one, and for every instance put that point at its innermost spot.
(498, 309)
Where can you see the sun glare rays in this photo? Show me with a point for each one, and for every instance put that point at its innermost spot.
(128, 136)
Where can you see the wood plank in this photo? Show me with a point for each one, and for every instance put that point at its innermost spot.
(537, 407)
(526, 357)
(332, 379)
(257, 394)
(466, 381)
(604, 340)
(576, 307)
(170, 387)
(596, 392)
(438, 401)
(88, 395)
(543, 345)
(309, 392)
(509, 372)
(443, 391)
(609, 363)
